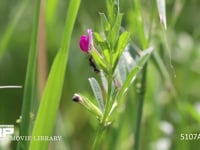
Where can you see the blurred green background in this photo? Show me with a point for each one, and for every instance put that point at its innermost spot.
(165, 116)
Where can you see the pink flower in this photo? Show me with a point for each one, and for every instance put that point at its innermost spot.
(86, 42)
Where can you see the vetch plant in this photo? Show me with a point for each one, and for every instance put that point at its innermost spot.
(110, 57)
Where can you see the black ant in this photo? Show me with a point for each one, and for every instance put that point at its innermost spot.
(92, 64)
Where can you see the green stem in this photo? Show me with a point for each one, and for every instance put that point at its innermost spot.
(98, 138)
(105, 115)
(29, 87)
(141, 98)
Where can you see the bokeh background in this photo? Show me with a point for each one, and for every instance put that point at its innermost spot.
(166, 115)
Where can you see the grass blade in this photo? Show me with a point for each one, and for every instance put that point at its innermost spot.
(30, 84)
(52, 93)
(51, 8)
(162, 12)
(140, 27)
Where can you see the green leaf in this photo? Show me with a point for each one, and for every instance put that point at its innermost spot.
(113, 101)
(97, 92)
(104, 22)
(113, 10)
(50, 102)
(162, 12)
(51, 97)
(133, 50)
(121, 70)
(107, 55)
(132, 75)
(104, 81)
(98, 59)
(122, 43)
(139, 59)
(139, 22)
(144, 56)
(97, 37)
(129, 60)
(130, 78)
(114, 33)
(30, 81)
(118, 78)
(51, 6)
(100, 41)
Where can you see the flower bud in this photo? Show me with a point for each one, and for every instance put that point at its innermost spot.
(86, 42)
(86, 103)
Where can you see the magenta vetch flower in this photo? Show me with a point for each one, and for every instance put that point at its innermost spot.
(86, 42)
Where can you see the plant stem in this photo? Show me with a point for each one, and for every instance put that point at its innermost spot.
(102, 125)
(141, 98)
(98, 137)
(29, 87)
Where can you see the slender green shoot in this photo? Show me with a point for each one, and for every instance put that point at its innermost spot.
(141, 98)
(30, 83)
